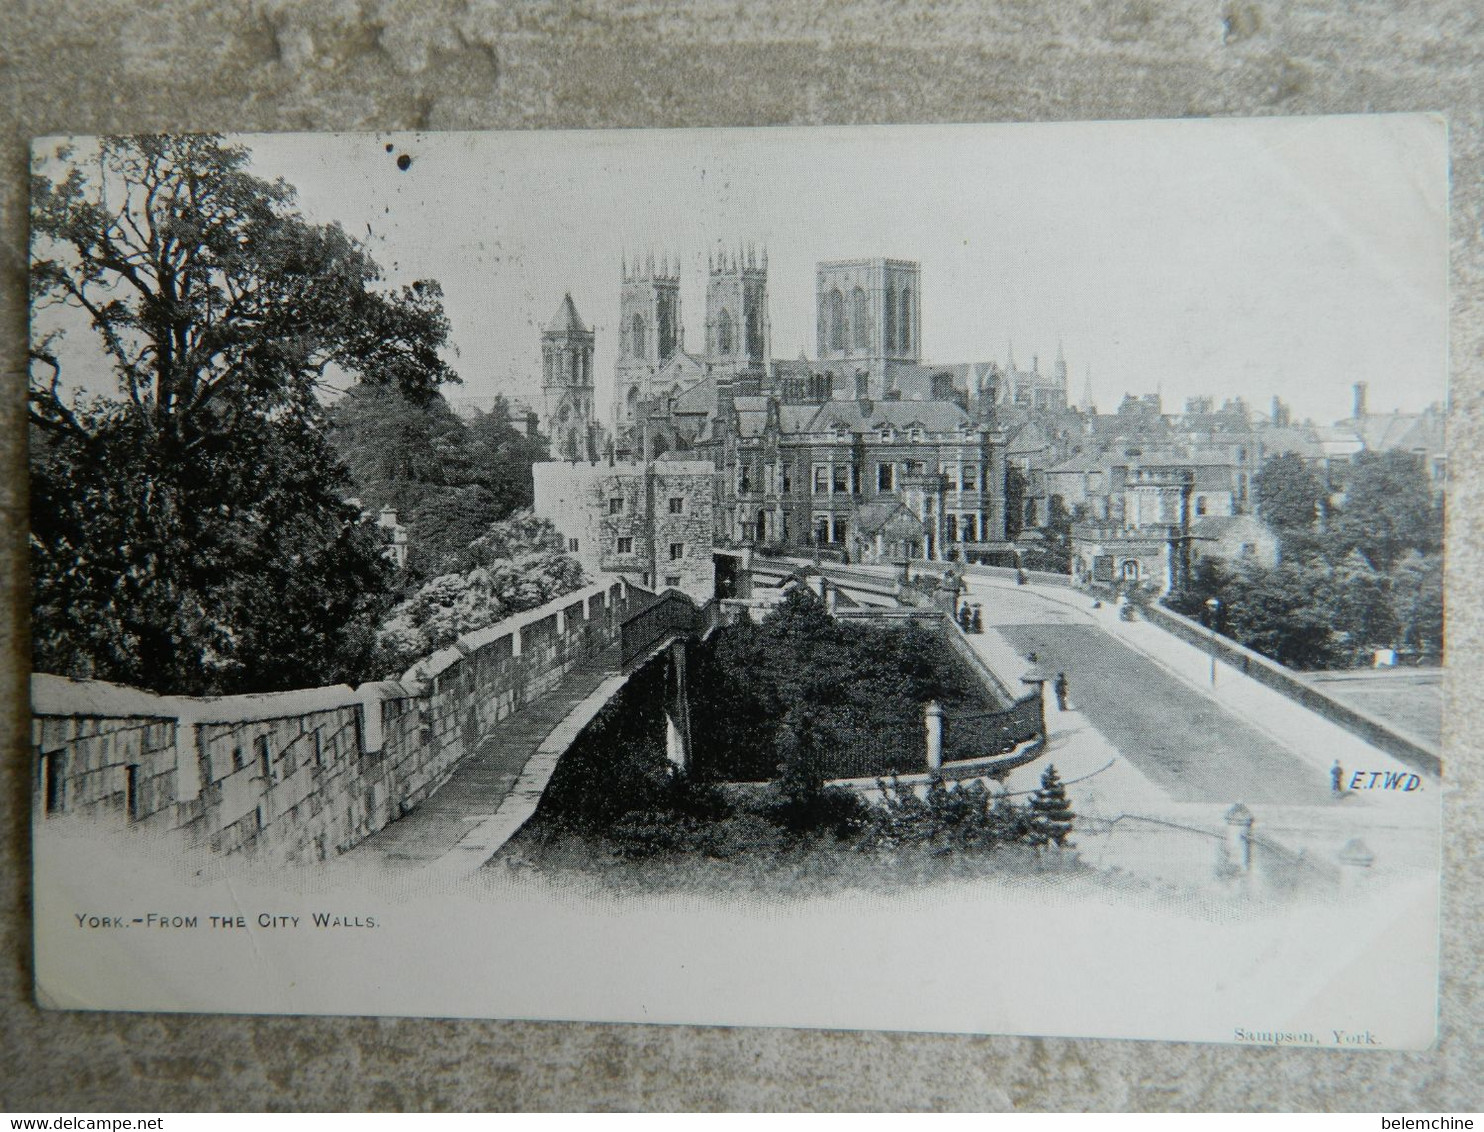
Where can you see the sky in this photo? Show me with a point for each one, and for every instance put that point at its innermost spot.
(1288, 256)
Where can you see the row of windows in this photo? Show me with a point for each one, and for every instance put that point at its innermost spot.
(665, 339)
(726, 335)
(570, 366)
(624, 544)
(677, 505)
(898, 310)
(956, 528)
(840, 478)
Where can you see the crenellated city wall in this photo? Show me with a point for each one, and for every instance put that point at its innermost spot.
(302, 775)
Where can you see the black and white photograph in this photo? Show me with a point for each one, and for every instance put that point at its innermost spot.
(955, 578)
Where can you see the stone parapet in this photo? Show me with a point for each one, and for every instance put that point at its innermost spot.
(304, 774)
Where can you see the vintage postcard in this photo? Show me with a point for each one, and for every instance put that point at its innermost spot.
(963, 578)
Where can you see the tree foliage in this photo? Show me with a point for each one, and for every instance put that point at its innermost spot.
(1390, 508)
(447, 479)
(1016, 486)
(1050, 812)
(1289, 495)
(806, 697)
(517, 564)
(1370, 577)
(188, 531)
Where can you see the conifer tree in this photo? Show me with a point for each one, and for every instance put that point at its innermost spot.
(1051, 812)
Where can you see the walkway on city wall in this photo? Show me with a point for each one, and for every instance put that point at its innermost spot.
(496, 789)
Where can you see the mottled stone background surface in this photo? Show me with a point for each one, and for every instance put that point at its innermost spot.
(94, 66)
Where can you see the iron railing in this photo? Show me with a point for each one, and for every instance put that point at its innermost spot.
(674, 615)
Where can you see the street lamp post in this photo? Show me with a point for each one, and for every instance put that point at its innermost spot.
(1213, 606)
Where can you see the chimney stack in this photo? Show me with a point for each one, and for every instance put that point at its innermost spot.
(1359, 400)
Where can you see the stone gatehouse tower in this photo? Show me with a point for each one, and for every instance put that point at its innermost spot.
(567, 384)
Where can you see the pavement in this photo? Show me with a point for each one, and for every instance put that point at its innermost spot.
(494, 790)
(1147, 733)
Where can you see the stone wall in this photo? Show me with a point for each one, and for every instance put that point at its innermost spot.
(300, 776)
(1381, 735)
(652, 521)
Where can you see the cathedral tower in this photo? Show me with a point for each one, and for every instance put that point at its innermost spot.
(567, 384)
(648, 330)
(737, 327)
(869, 315)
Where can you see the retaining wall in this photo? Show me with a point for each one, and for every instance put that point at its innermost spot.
(302, 775)
(1408, 749)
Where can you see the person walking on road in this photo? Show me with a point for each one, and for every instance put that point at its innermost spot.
(1337, 779)
(1061, 687)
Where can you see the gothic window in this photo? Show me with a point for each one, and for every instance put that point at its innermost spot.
(636, 336)
(837, 320)
(626, 544)
(755, 346)
(904, 321)
(665, 336)
(860, 320)
(891, 319)
(724, 333)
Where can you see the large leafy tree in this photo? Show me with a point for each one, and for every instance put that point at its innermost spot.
(188, 531)
(447, 479)
(1288, 493)
(1390, 508)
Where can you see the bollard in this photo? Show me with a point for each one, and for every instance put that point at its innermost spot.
(932, 718)
(1356, 859)
(1239, 837)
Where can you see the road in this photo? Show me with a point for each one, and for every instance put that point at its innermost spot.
(1168, 728)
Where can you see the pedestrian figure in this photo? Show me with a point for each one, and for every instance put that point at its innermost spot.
(1061, 691)
(978, 621)
(966, 618)
(1337, 778)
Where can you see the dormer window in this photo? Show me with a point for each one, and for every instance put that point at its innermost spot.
(914, 434)
(886, 433)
